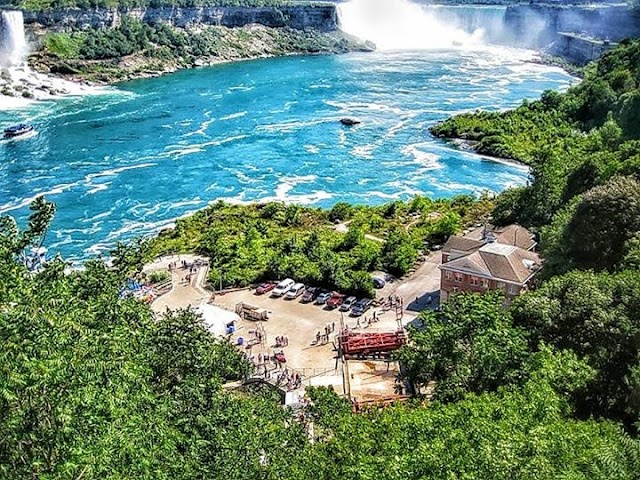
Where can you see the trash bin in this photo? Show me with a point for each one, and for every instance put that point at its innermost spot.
(240, 341)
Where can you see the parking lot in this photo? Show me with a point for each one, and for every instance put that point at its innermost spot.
(302, 323)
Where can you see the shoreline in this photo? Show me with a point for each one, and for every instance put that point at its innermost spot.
(68, 86)
(468, 146)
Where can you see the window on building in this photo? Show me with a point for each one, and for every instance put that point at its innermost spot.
(475, 281)
(485, 283)
(501, 285)
(513, 289)
(447, 275)
(458, 277)
(455, 290)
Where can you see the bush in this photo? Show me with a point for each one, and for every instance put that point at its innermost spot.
(159, 276)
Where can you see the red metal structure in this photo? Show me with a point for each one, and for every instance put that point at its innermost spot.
(365, 344)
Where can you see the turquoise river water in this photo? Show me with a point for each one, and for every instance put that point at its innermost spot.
(131, 161)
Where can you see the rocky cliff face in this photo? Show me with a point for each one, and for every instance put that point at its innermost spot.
(320, 17)
(537, 26)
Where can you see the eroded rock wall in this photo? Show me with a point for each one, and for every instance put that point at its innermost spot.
(321, 17)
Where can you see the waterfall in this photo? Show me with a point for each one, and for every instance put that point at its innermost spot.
(13, 45)
(403, 25)
(490, 20)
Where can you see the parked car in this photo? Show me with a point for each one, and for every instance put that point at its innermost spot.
(310, 295)
(265, 287)
(283, 287)
(335, 301)
(379, 282)
(347, 304)
(295, 291)
(361, 306)
(323, 297)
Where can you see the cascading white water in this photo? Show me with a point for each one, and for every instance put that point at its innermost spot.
(401, 25)
(13, 45)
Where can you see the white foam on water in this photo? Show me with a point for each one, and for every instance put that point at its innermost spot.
(426, 159)
(9, 206)
(312, 149)
(293, 126)
(233, 115)
(99, 188)
(115, 171)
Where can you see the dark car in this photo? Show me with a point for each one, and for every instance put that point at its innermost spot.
(347, 304)
(361, 306)
(379, 282)
(323, 297)
(265, 287)
(310, 294)
(335, 301)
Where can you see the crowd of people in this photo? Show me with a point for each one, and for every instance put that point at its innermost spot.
(323, 338)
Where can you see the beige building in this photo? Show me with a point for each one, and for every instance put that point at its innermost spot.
(498, 259)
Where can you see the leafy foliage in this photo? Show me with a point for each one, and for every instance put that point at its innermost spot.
(469, 345)
(598, 317)
(251, 243)
(594, 231)
(573, 141)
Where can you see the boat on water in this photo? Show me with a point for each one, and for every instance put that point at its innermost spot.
(16, 131)
(349, 121)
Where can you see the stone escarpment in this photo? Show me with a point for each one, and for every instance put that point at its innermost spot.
(319, 17)
(577, 33)
(108, 45)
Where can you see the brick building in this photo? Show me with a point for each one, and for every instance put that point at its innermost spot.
(499, 259)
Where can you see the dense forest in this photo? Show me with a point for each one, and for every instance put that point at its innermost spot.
(135, 48)
(92, 387)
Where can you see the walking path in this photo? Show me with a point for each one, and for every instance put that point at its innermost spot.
(344, 228)
(183, 292)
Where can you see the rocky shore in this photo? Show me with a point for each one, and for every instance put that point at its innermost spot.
(86, 46)
(232, 44)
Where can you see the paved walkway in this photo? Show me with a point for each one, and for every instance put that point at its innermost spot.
(344, 228)
(183, 293)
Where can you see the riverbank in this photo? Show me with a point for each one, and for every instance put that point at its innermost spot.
(207, 46)
(50, 75)
(21, 86)
(469, 146)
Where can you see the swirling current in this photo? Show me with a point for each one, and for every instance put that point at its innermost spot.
(130, 161)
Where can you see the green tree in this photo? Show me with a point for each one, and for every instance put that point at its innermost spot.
(593, 233)
(469, 345)
(596, 316)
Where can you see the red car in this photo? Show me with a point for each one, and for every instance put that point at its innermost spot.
(335, 300)
(265, 287)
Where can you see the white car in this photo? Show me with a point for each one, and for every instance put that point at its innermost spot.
(283, 287)
(295, 291)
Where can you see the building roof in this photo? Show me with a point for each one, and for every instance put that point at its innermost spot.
(501, 262)
(513, 235)
(510, 235)
(461, 244)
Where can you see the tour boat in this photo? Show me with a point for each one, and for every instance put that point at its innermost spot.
(19, 130)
